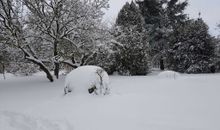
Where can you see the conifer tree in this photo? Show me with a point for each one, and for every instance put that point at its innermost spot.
(162, 17)
(193, 52)
(132, 50)
(175, 12)
(152, 11)
(130, 15)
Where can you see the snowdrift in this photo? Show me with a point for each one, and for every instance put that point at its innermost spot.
(169, 74)
(87, 79)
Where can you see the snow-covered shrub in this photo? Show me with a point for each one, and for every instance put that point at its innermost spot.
(169, 74)
(87, 79)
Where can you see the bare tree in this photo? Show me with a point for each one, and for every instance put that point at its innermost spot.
(53, 31)
(67, 25)
(14, 33)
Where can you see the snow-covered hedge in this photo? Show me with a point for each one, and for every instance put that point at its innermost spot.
(87, 79)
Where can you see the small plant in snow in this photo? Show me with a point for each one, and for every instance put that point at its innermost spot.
(67, 90)
(99, 88)
(92, 89)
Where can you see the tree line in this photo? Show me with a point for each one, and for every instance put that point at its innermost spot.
(52, 34)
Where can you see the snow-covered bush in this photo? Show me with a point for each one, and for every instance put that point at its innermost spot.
(87, 79)
(169, 74)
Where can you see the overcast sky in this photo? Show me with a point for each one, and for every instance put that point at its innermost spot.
(210, 11)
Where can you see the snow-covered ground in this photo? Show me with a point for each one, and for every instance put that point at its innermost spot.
(186, 102)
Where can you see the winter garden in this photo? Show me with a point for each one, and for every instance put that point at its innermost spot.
(64, 67)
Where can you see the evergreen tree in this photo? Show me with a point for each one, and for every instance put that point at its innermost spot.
(217, 54)
(175, 12)
(152, 11)
(162, 17)
(104, 55)
(174, 18)
(132, 47)
(105, 58)
(130, 15)
(193, 52)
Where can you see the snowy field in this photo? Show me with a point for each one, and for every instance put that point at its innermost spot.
(154, 102)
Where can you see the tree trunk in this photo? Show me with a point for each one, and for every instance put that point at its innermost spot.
(3, 69)
(161, 64)
(44, 68)
(49, 76)
(56, 62)
(37, 62)
(56, 69)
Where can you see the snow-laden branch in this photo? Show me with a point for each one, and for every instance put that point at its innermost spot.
(69, 62)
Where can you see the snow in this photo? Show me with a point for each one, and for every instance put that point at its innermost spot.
(16, 121)
(169, 74)
(7, 75)
(190, 102)
(85, 77)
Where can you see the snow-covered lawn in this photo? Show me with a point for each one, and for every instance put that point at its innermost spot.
(154, 102)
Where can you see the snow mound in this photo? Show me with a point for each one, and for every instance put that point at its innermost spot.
(169, 74)
(16, 121)
(87, 79)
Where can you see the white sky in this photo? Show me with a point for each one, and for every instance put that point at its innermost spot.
(210, 10)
